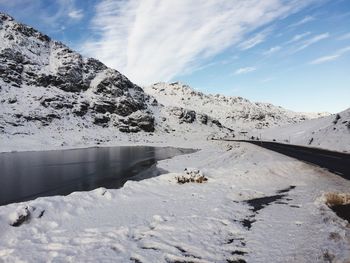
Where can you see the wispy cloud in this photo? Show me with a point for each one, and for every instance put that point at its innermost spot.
(76, 14)
(272, 50)
(298, 37)
(255, 40)
(331, 57)
(153, 40)
(303, 21)
(265, 80)
(344, 37)
(312, 40)
(246, 70)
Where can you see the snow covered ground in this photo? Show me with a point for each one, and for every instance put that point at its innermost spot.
(61, 137)
(159, 220)
(331, 132)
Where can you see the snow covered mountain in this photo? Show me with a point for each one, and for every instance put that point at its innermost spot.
(48, 89)
(43, 82)
(331, 132)
(233, 112)
(51, 95)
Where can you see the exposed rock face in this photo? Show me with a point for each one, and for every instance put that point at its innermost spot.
(143, 121)
(135, 122)
(11, 66)
(184, 115)
(191, 116)
(53, 82)
(101, 120)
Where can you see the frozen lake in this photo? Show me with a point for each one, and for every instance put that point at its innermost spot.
(27, 175)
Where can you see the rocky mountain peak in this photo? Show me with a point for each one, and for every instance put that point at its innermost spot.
(69, 84)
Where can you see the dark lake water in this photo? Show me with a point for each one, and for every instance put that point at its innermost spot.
(28, 175)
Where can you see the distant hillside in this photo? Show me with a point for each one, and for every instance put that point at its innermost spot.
(234, 112)
(331, 132)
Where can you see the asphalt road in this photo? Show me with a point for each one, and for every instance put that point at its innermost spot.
(335, 162)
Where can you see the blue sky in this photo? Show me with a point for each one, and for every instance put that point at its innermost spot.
(293, 53)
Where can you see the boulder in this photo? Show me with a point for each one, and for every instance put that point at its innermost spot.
(188, 116)
(202, 118)
(101, 120)
(136, 122)
(81, 109)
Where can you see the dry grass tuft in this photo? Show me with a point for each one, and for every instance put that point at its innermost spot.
(333, 199)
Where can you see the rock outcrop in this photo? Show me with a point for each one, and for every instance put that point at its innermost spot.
(47, 81)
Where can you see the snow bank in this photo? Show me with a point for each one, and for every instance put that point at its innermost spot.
(331, 132)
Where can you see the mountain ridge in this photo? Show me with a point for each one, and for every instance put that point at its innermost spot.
(52, 95)
(233, 112)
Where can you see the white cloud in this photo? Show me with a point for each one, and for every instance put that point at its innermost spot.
(298, 37)
(155, 40)
(241, 71)
(252, 42)
(272, 50)
(303, 21)
(344, 37)
(267, 80)
(76, 14)
(324, 59)
(312, 40)
(332, 57)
